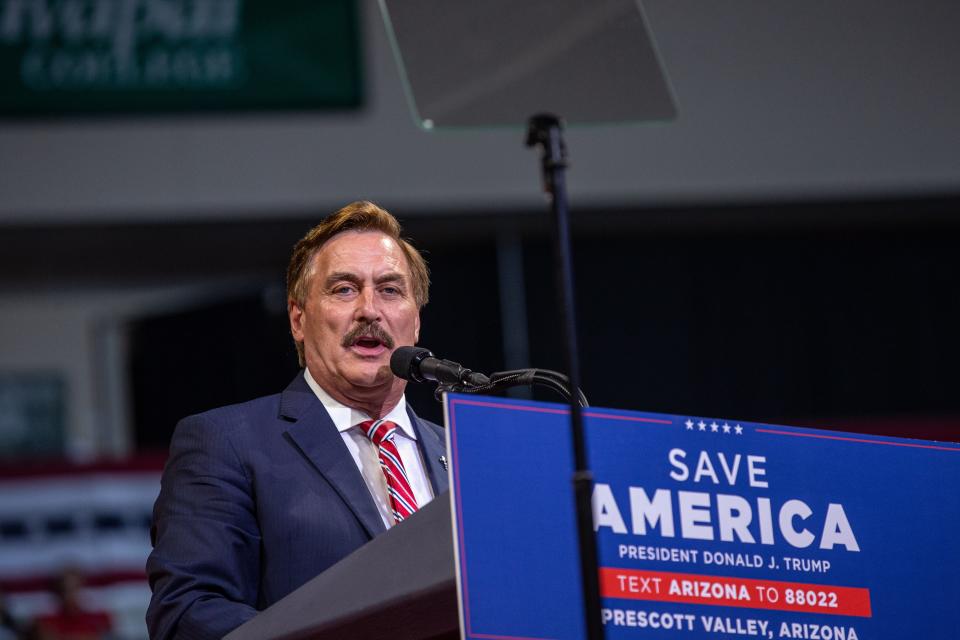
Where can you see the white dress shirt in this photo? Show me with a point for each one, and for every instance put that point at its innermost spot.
(366, 455)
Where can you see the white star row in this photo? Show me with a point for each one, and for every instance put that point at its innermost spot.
(713, 427)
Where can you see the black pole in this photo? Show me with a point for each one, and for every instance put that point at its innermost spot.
(545, 131)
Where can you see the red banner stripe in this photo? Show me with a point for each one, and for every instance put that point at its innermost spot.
(48, 468)
(45, 582)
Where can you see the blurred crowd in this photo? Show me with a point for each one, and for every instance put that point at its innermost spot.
(72, 618)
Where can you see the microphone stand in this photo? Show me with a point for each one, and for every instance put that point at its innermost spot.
(545, 131)
(517, 378)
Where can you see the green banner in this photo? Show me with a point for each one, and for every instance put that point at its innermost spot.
(62, 57)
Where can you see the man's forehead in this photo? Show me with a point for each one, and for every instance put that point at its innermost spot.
(350, 250)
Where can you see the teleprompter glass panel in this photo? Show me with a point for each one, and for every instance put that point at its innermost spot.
(474, 63)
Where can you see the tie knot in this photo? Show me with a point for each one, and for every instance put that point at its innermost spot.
(379, 430)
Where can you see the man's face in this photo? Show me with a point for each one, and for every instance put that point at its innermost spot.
(359, 308)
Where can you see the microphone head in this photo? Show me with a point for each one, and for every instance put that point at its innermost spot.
(405, 362)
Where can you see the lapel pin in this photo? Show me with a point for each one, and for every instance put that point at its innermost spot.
(443, 462)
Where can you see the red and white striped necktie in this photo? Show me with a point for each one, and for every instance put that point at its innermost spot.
(402, 499)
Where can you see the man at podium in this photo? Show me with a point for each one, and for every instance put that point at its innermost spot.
(258, 498)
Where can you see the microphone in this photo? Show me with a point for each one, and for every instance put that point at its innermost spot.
(419, 365)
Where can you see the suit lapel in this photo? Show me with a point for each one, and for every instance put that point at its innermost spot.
(432, 449)
(314, 433)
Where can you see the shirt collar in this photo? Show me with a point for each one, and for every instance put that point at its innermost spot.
(345, 417)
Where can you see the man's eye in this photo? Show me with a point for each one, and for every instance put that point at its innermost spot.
(343, 290)
(391, 291)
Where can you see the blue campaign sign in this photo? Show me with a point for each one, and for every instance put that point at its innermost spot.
(706, 528)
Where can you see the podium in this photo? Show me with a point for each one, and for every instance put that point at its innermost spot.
(705, 526)
(400, 586)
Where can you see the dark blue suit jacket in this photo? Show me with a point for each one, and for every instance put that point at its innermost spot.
(257, 499)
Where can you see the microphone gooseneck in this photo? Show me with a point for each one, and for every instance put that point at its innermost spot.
(417, 364)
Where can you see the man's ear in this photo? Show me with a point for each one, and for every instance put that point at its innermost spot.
(416, 331)
(295, 313)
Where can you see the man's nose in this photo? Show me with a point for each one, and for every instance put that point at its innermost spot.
(366, 308)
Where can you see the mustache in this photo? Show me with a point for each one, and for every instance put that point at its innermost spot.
(370, 329)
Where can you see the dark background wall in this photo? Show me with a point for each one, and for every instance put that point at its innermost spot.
(834, 313)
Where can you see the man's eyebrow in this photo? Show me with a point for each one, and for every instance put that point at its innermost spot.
(346, 276)
(390, 276)
(341, 276)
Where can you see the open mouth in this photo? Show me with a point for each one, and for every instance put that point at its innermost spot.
(368, 340)
(368, 346)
